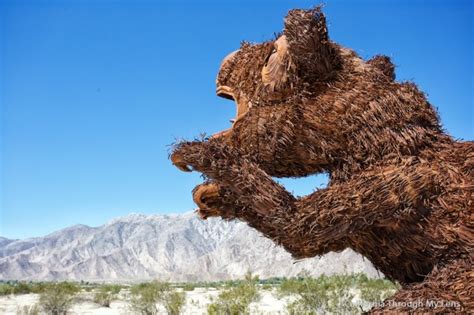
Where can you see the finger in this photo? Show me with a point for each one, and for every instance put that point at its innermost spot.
(179, 162)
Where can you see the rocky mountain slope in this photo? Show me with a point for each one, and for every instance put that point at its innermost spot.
(170, 247)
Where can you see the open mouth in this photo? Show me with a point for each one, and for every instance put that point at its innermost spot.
(226, 92)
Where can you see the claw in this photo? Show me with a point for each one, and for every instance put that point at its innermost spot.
(178, 161)
(204, 196)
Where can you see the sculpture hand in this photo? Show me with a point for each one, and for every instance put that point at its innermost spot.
(214, 158)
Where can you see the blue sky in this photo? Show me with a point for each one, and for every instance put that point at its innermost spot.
(93, 92)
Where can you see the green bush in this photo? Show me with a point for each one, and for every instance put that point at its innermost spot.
(6, 289)
(38, 287)
(21, 287)
(334, 294)
(28, 310)
(189, 286)
(173, 302)
(103, 298)
(236, 300)
(57, 298)
(145, 296)
(311, 295)
(16, 287)
(267, 286)
(378, 290)
(106, 294)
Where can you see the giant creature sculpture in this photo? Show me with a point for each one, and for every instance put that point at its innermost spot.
(400, 190)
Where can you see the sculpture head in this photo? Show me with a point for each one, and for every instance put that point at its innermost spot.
(307, 105)
(265, 79)
(269, 73)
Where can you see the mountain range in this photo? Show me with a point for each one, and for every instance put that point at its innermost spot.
(178, 247)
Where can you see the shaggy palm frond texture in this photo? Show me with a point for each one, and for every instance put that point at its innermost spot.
(400, 190)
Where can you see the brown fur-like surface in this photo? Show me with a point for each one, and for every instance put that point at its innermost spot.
(400, 190)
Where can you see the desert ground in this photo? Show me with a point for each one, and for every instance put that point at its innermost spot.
(196, 303)
(348, 294)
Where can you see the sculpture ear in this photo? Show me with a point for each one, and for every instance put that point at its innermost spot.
(276, 67)
(314, 55)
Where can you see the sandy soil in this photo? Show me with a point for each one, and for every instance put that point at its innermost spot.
(196, 304)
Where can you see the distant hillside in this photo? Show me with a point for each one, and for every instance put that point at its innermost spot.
(170, 247)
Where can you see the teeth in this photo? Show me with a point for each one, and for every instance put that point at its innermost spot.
(232, 121)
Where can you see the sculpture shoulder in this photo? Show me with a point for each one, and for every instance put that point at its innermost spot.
(452, 154)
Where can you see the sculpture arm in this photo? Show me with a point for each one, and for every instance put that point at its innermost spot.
(323, 221)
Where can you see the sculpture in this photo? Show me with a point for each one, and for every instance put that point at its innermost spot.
(400, 190)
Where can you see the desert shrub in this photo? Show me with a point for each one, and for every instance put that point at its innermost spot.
(173, 302)
(104, 298)
(311, 295)
(6, 288)
(333, 294)
(375, 290)
(57, 298)
(89, 286)
(106, 294)
(145, 296)
(272, 281)
(236, 300)
(267, 286)
(28, 310)
(16, 287)
(114, 288)
(38, 287)
(21, 287)
(189, 286)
